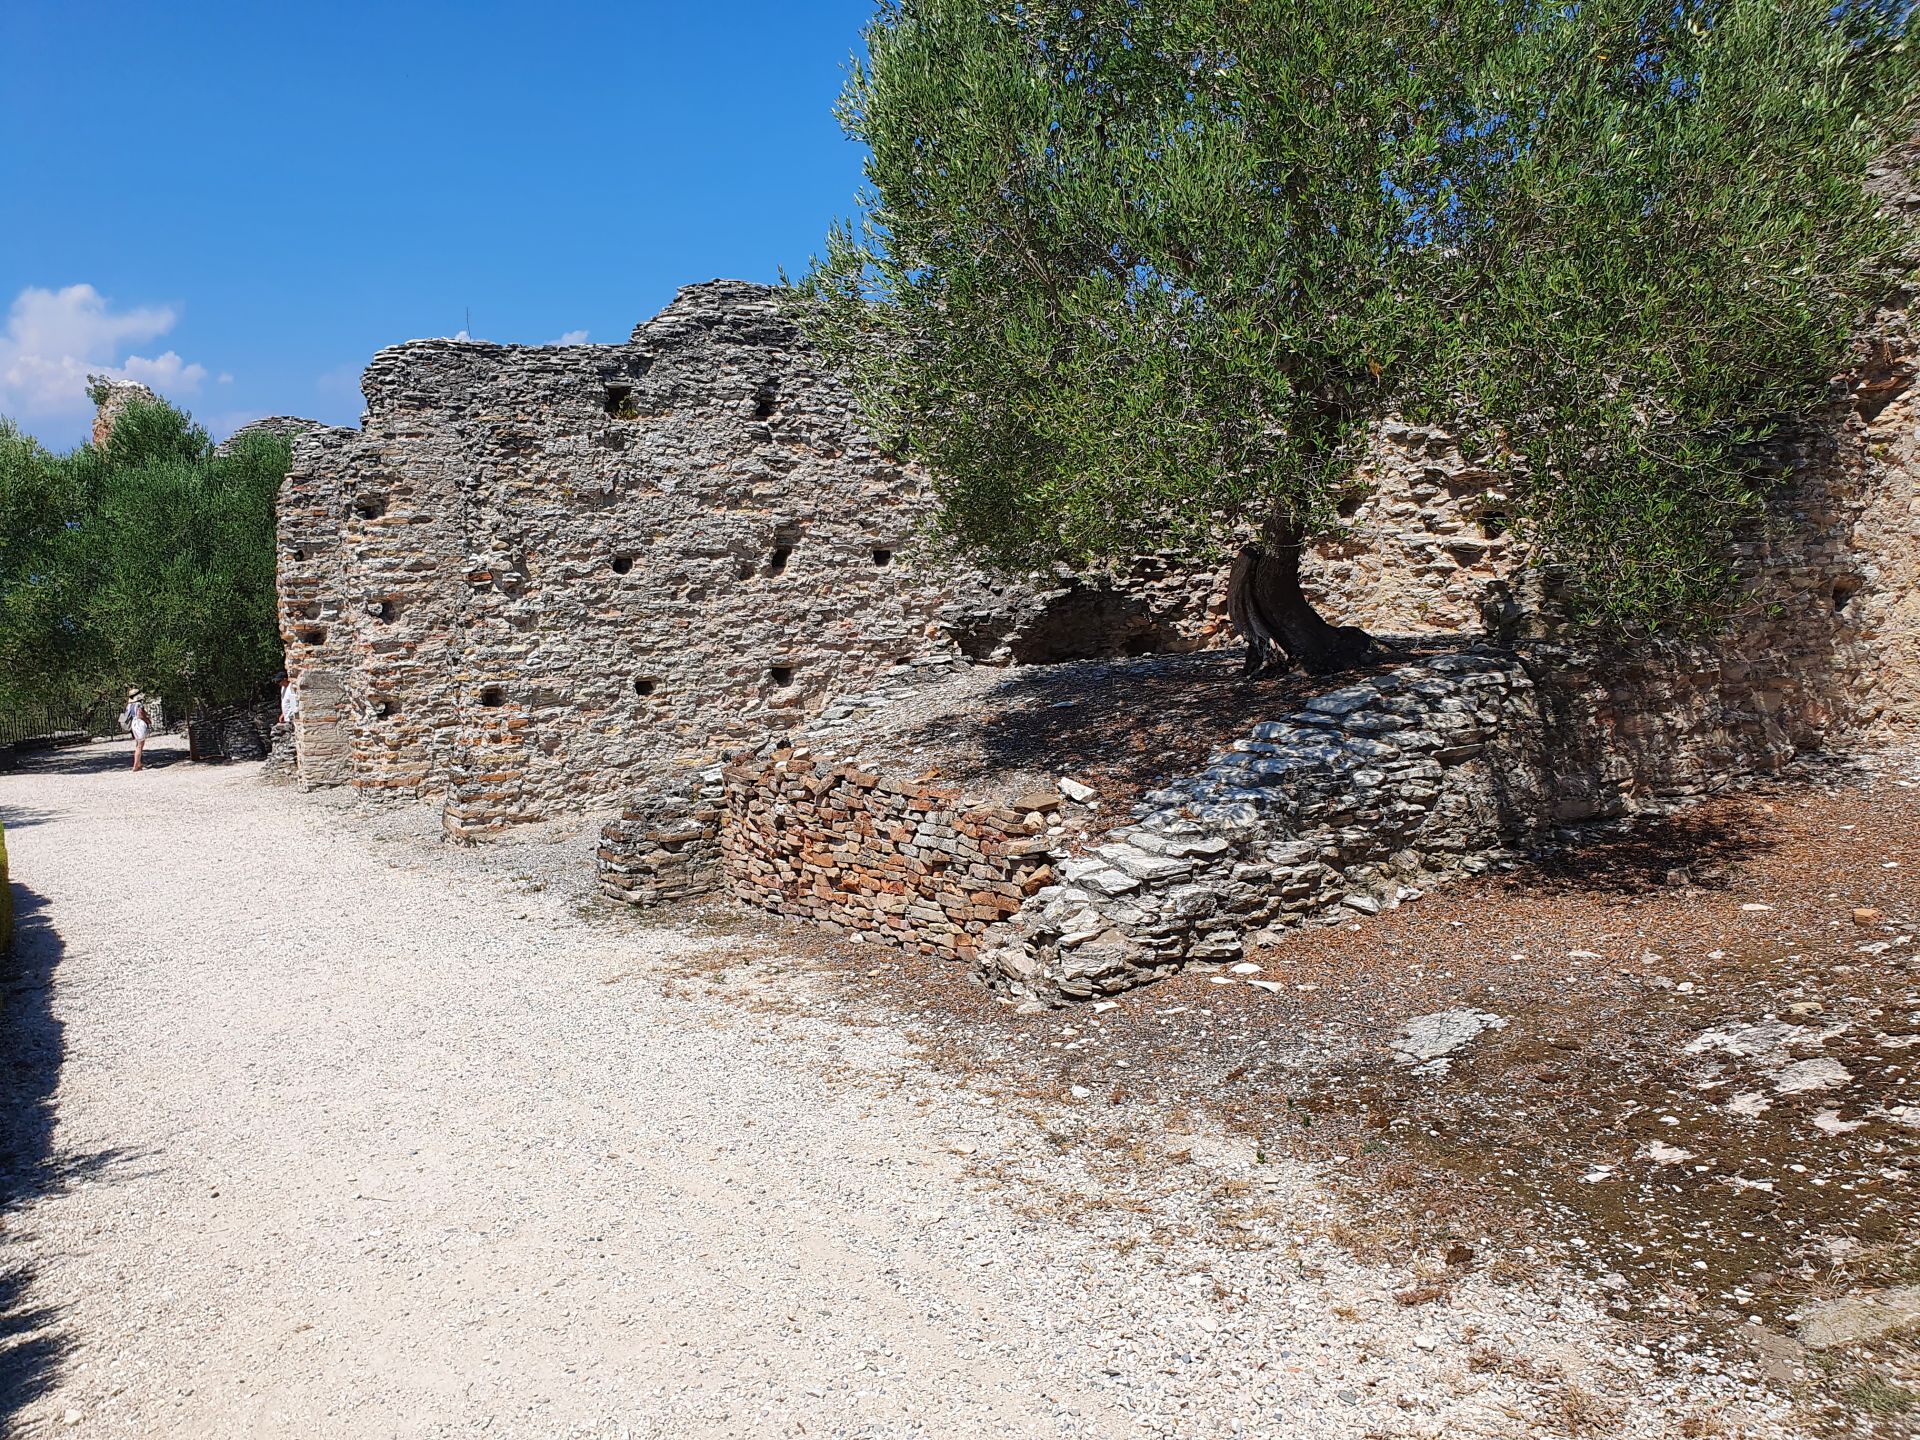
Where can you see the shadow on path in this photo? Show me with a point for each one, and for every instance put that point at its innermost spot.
(31, 1051)
(103, 758)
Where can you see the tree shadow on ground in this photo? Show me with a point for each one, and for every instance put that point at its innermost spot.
(103, 759)
(1699, 848)
(32, 1048)
(1131, 725)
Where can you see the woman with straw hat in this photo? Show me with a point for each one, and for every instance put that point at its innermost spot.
(136, 719)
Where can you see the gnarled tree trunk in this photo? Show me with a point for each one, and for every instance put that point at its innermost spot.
(1278, 622)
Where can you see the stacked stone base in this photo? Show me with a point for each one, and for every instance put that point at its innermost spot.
(665, 847)
(915, 864)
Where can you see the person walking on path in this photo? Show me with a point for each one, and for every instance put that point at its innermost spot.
(136, 719)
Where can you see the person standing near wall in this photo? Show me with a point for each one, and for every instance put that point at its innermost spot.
(136, 719)
(289, 698)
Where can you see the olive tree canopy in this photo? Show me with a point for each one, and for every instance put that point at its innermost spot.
(1138, 275)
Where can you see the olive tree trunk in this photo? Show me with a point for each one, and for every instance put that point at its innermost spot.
(1278, 622)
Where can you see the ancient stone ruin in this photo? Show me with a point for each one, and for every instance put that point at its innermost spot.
(542, 578)
(679, 575)
(1356, 799)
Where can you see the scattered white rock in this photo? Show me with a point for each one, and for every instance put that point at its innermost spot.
(1080, 1092)
(1766, 1041)
(1428, 1037)
(1804, 1075)
(1830, 1121)
(1270, 986)
(1661, 1153)
(1750, 1105)
(1245, 967)
(1076, 792)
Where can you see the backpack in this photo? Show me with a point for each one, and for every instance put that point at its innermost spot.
(140, 714)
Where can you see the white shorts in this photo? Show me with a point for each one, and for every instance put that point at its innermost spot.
(139, 729)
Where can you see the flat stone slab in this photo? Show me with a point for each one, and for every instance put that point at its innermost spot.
(1429, 1037)
(1852, 1318)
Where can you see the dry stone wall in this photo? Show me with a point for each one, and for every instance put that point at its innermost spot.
(665, 847)
(538, 578)
(1373, 791)
(912, 862)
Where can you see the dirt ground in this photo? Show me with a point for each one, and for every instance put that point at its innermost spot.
(1696, 1085)
(1120, 726)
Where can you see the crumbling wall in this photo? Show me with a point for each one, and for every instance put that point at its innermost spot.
(1423, 546)
(113, 398)
(910, 861)
(539, 578)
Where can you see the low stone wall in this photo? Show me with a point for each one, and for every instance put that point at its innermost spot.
(232, 732)
(665, 847)
(1432, 771)
(912, 863)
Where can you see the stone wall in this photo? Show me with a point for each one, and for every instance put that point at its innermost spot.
(911, 862)
(1375, 790)
(1423, 545)
(665, 847)
(540, 578)
(232, 732)
(115, 397)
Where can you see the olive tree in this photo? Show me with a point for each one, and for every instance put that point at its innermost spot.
(149, 562)
(1141, 275)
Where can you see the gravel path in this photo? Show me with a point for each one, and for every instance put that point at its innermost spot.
(318, 1128)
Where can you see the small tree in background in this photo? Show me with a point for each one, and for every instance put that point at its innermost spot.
(148, 563)
(1140, 275)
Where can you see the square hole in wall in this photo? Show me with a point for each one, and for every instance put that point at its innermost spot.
(781, 675)
(493, 696)
(645, 685)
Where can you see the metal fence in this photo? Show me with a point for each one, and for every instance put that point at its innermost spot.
(48, 725)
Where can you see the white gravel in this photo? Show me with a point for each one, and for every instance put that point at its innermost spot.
(366, 1135)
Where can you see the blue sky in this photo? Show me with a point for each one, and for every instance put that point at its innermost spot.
(240, 203)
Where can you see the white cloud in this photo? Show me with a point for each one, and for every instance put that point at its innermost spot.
(55, 338)
(572, 337)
